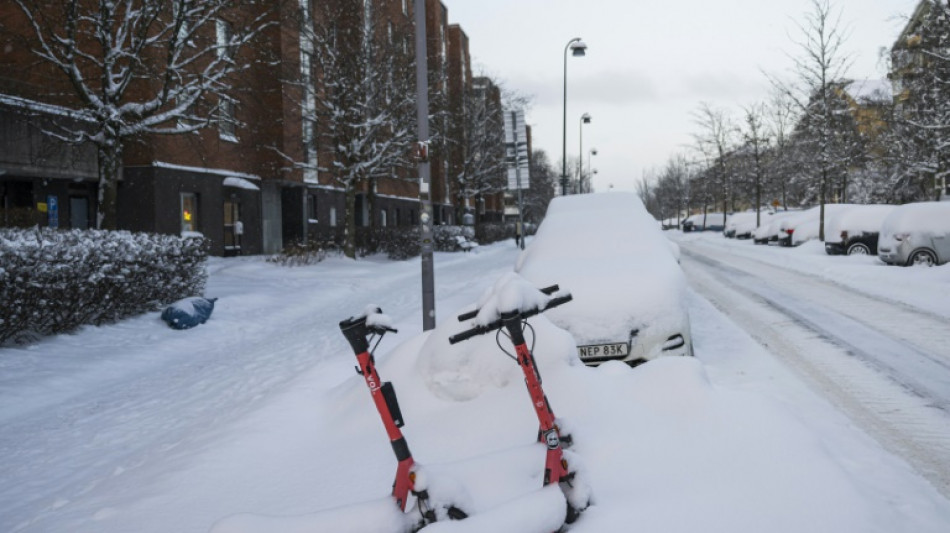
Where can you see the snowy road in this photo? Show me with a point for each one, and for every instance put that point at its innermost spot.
(883, 362)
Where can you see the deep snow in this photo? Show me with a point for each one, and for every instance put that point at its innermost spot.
(256, 421)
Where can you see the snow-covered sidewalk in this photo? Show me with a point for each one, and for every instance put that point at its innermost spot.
(136, 427)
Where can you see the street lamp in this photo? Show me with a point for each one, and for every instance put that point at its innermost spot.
(578, 49)
(585, 119)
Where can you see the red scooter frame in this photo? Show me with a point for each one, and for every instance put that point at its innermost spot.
(357, 331)
(556, 469)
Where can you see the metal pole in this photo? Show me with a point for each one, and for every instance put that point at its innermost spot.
(422, 124)
(580, 157)
(514, 128)
(564, 123)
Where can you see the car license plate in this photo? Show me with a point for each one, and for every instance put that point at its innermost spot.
(594, 351)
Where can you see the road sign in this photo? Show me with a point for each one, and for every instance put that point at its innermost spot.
(516, 151)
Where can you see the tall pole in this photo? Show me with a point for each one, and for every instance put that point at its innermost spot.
(564, 123)
(422, 125)
(580, 154)
(515, 130)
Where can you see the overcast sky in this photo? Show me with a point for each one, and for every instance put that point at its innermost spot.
(650, 63)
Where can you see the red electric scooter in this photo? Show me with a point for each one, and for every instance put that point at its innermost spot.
(360, 331)
(514, 322)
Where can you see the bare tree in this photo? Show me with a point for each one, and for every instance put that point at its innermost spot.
(482, 143)
(716, 139)
(821, 65)
(141, 67)
(365, 111)
(543, 185)
(756, 141)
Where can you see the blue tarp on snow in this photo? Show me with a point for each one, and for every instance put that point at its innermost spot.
(188, 313)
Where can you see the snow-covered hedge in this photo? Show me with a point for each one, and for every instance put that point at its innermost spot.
(54, 281)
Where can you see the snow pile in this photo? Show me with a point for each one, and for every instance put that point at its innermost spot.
(856, 221)
(465, 371)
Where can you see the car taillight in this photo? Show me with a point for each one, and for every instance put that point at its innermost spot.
(844, 235)
(790, 231)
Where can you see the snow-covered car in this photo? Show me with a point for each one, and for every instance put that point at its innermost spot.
(740, 225)
(701, 222)
(629, 292)
(769, 228)
(803, 227)
(855, 231)
(916, 234)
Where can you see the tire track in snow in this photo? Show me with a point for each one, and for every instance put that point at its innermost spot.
(906, 412)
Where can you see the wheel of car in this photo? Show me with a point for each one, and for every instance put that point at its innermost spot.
(922, 257)
(858, 248)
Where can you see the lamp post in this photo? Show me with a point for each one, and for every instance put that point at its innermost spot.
(585, 119)
(590, 167)
(578, 49)
(422, 149)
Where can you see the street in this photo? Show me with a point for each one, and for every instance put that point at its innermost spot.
(885, 363)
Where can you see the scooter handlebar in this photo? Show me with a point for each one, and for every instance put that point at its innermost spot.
(492, 326)
(472, 314)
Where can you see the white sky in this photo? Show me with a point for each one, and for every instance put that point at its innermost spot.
(650, 63)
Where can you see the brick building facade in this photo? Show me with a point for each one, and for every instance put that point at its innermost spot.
(252, 184)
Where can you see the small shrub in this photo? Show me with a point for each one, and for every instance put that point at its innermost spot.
(305, 253)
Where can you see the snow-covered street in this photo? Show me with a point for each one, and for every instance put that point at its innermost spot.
(135, 427)
(879, 353)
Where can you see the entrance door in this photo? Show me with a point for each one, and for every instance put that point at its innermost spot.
(233, 228)
(78, 212)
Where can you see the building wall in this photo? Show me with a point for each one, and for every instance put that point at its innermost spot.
(159, 168)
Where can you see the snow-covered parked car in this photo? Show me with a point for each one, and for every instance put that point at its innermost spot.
(629, 292)
(804, 227)
(768, 230)
(741, 225)
(916, 234)
(701, 222)
(855, 231)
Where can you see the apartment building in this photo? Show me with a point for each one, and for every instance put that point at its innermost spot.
(263, 175)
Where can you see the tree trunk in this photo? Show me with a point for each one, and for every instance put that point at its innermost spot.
(349, 222)
(110, 161)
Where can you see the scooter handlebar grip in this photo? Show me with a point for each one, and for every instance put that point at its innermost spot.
(550, 290)
(469, 333)
(554, 302)
(468, 316)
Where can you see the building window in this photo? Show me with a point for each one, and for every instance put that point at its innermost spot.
(312, 209)
(227, 127)
(333, 217)
(189, 212)
(382, 218)
(405, 7)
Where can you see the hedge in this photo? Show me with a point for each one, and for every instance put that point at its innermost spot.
(52, 281)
